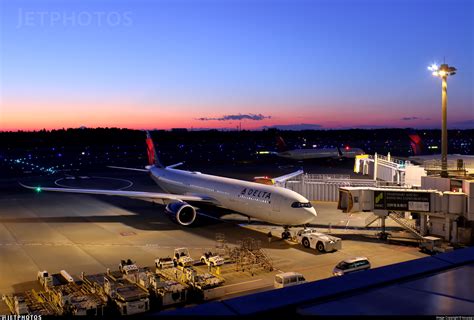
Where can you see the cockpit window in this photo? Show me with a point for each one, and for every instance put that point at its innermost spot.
(301, 205)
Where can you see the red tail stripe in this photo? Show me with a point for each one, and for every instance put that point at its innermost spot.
(151, 151)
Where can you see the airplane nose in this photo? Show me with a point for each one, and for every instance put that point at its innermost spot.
(311, 215)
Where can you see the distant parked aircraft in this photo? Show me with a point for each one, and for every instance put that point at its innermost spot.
(418, 150)
(315, 153)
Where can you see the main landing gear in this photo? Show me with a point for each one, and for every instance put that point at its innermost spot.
(286, 233)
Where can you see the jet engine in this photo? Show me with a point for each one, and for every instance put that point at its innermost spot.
(181, 212)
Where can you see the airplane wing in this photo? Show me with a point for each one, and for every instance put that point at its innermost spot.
(150, 196)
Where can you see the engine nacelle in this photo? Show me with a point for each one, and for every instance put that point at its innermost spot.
(181, 212)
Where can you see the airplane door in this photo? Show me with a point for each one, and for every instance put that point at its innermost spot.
(276, 204)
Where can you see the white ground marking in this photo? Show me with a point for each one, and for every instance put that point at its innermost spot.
(130, 183)
(348, 220)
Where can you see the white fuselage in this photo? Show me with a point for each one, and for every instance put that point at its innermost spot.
(263, 202)
(307, 154)
(304, 154)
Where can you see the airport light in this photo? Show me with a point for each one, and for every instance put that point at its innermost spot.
(443, 71)
(38, 189)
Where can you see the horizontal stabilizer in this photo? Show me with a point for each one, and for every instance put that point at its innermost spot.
(288, 176)
(175, 165)
(277, 181)
(131, 169)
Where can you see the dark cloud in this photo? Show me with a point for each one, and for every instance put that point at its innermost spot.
(230, 117)
(364, 126)
(466, 124)
(300, 126)
(413, 118)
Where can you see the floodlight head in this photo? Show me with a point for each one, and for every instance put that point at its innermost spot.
(442, 71)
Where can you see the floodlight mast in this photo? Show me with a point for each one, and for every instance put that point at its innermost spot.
(443, 71)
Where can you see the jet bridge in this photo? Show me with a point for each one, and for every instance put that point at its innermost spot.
(433, 205)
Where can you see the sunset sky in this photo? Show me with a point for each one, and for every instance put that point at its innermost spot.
(215, 64)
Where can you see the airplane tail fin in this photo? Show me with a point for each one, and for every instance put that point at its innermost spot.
(416, 144)
(281, 145)
(152, 155)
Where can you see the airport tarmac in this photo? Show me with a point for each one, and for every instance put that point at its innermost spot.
(82, 233)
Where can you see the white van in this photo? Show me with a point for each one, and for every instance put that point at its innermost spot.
(351, 265)
(288, 279)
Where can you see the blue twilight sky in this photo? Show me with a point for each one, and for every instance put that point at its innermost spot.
(193, 63)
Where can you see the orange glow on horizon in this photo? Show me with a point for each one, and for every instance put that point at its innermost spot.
(36, 115)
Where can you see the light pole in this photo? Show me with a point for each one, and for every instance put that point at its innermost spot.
(443, 71)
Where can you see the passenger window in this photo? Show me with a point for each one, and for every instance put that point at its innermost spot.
(343, 265)
(286, 281)
(301, 205)
(301, 278)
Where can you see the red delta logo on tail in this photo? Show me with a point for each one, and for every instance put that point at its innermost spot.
(415, 142)
(150, 149)
(281, 145)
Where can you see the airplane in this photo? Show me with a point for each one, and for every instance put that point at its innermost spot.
(315, 153)
(187, 190)
(418, 148)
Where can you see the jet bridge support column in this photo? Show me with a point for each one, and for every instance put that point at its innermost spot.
(383, 235)
(447, 229)
(423, 224)
(376, 163)
(454, 233)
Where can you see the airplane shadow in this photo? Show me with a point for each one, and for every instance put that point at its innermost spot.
(374, 239)
(147, 216)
